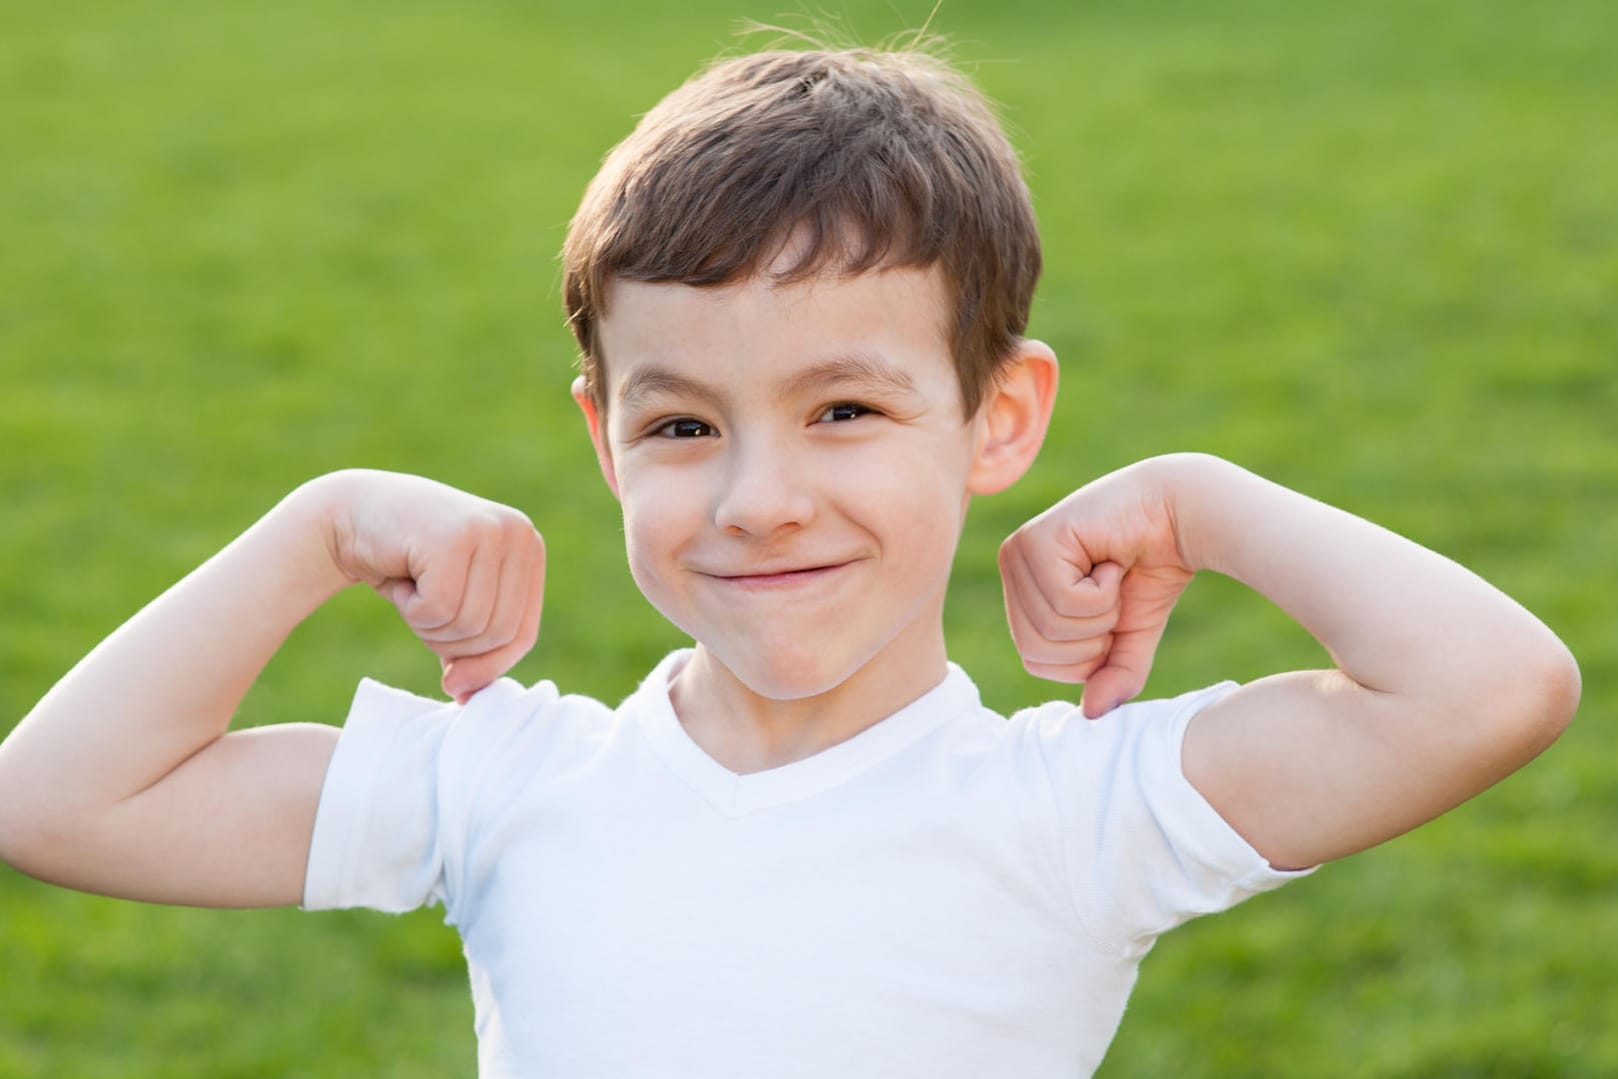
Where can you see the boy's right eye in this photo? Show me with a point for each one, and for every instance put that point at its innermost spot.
(683, 427)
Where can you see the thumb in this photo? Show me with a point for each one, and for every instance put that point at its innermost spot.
(1104, 579)
(398, 591)
(1124, 673)
(465, 675)
(460, 680)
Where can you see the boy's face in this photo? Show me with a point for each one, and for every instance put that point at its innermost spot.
(794, 469)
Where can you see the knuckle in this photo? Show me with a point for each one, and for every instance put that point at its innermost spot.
(487, 526)
(431, 615)
(1098, 647)
(513, 527)
(1057, 626)
(1047, 624)
(1056, 672)
(1043, 652)
(1067, 604)
(1080, 601)
(501, 634)
(521, 642)
(1068, 654)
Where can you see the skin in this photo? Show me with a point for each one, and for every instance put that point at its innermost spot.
(796, 513)
(1442, 686)
(794, 469)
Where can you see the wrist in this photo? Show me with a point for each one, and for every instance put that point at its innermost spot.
(1201, 494)
(306, 531)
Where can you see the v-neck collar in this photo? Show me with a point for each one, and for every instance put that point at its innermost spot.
(735, 795)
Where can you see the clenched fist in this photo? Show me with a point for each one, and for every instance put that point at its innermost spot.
(1090, 582)
(467, 574)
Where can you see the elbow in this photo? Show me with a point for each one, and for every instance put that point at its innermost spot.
(12, 819)
(14, 835)
(34, 842)
(1562, 687)
(19, 832)
(28, 831)
(1541, 701)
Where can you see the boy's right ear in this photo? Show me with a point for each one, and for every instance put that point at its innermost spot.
(598, 433)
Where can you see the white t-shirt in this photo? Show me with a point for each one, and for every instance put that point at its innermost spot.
(948, 893)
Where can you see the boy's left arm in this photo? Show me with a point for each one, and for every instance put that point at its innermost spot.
(1443, 685)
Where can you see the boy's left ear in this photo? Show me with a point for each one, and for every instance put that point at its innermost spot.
(1011, 421)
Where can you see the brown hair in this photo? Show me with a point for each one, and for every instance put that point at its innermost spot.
(874, 159)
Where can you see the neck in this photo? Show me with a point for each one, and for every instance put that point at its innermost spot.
(747, 732)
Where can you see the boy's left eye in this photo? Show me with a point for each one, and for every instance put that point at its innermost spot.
(844, 411)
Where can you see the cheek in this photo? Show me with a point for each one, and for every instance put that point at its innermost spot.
(916, 503)
(659, 516)
(644, 560)
(927, 482)
(661, 520)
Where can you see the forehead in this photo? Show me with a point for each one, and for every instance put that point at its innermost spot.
(758, 328)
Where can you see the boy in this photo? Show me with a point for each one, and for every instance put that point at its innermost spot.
(802, 847)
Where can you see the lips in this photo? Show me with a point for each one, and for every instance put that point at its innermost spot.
(778, 577)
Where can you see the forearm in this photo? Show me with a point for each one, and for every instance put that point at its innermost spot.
(1442, 684)
(166, 684)
(1397, 619)
(125, 779)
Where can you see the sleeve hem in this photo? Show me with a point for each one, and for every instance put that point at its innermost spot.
(344, 798)
(1207, 836)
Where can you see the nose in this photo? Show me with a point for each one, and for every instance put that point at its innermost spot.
(763, 489)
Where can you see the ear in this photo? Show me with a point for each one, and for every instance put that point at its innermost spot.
(598, 433)
(1011, 421)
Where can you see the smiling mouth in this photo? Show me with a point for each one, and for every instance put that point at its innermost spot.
(780, 578)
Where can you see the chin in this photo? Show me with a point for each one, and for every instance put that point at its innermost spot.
(792, 674)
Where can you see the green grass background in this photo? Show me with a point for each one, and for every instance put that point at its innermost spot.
(1369, 249)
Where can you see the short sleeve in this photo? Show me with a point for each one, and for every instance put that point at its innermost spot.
(400, 794)
(376, 837)
(1144, 849)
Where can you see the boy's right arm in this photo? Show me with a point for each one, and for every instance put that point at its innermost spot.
(125, 780)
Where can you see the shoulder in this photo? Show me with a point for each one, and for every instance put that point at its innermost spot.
(502, 711)
(504, 728)
(1060, 730)
(1145, 850)
(1127, 761)
(1122, 776)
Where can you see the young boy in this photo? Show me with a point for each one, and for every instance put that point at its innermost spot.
(802, 847)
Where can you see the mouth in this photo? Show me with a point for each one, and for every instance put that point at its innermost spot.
(770, 579)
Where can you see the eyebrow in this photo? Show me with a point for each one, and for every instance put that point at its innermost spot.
(653, 381)
(855, 369)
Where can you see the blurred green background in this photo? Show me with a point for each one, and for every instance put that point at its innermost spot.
(1370, 250)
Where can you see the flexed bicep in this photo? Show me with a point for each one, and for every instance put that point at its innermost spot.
(124, 778)
(229, 827)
